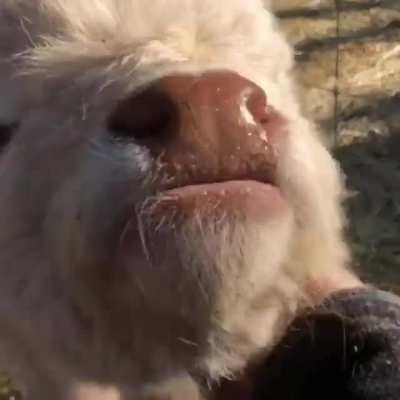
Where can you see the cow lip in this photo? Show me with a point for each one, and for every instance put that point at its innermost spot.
(222, 182)
(267, 178)
(247, 186)
(257, 201)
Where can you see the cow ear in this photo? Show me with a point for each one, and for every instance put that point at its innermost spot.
(6, 133)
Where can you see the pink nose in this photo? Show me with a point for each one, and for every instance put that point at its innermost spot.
(213, 127)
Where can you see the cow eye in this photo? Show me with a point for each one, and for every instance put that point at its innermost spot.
(6, 133)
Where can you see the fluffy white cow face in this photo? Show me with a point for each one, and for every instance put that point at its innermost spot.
(161, 179)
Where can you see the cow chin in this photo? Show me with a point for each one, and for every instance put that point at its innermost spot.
(228, 270)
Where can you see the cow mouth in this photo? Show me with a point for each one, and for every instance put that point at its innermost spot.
(251, 197)
(224, 188)
(257, 201)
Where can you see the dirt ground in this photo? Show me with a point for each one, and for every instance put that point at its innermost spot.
(348, 54)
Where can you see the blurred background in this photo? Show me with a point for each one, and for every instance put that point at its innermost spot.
(348, 69)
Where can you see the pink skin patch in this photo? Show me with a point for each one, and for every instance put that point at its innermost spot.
(256, 200)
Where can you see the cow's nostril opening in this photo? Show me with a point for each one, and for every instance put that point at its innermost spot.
(6, 133)
(258, 106)
(150, 116)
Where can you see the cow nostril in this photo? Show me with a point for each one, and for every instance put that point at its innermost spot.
(148, 116)
(6, 133)
(258, 106)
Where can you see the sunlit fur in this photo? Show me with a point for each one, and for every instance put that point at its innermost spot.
(201, 294)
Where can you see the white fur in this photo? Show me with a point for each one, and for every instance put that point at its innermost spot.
(62, 185)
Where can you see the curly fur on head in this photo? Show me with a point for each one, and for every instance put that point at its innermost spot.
(224, 287)
(118, 39)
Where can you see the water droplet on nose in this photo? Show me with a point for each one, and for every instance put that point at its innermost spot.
(249, 134)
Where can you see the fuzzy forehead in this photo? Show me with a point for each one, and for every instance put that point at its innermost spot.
(132, 36)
